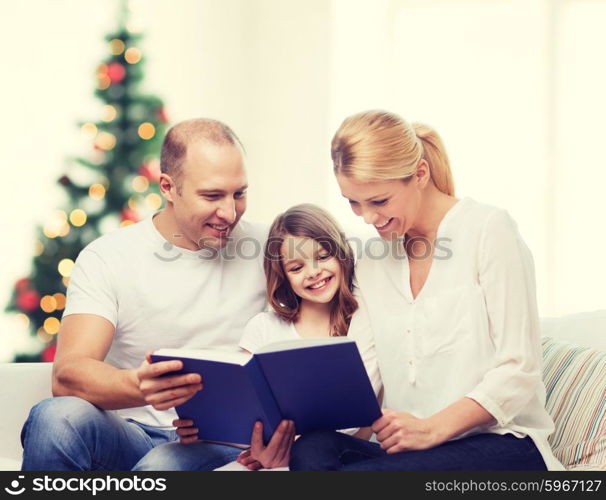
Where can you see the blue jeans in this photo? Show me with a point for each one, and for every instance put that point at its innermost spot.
(328, 450)
(69, 433)
(195, 456)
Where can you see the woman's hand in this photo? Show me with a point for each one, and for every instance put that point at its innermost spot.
(401, 431)
(186, 431)
(277, 451)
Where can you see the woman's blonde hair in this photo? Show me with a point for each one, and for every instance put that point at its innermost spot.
(382, 146)
(309, 221)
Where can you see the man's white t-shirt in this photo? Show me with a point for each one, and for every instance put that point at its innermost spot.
(158, 295)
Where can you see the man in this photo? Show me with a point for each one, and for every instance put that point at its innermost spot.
(175, 279)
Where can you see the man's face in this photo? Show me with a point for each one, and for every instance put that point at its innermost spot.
(212, 197)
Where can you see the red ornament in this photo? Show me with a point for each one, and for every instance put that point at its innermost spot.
(161, 115)
(65, 181)
(151, 171)
(48, 355)
(22, 284)
(129, 214)
(116, 72)
(28, 301)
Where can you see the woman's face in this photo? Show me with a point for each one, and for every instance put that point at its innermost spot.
(390, 206)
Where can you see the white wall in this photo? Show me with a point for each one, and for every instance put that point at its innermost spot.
(514, 88)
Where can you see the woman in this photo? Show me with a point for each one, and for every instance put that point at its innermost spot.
(453, 310)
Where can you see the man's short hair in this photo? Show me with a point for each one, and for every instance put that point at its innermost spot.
(174, 147)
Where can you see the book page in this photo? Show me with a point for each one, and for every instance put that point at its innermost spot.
(232, 356)
(284, 345)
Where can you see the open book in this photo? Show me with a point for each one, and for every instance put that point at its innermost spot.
(319, 383)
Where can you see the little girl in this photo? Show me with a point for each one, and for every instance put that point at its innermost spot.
(309, 268)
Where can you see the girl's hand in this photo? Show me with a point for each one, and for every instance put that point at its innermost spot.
(401, 431)
(248, 461)
(186, 431)
(277, 451)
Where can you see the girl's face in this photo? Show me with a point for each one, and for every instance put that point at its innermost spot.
(390, 206)
(313, 274)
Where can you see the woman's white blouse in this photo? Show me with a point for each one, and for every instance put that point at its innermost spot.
(473, 329)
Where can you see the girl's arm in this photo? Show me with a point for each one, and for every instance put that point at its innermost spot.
(360, 330)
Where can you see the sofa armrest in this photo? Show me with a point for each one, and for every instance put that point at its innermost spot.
(23, 385)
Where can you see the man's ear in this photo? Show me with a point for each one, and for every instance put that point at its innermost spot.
(423, 173)
(167, 187)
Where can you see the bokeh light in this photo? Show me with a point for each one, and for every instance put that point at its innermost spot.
(48, 304)
(132, 55)
(140, 184)
(105, 141)
(43, 335)
(23, 319)
(55, 225)
(116, 46)
(89, 129)
(60, 300)
(38, 248)
(109, 113)
(77, 217)
(146, 131)
(153, 201)
(65, 267)
(96, 191)
(52, 325)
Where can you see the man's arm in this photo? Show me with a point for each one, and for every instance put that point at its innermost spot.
(79, 370)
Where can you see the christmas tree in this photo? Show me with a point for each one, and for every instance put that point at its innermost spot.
(115, 185)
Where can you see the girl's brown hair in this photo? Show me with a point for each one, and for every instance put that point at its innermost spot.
(309, 221)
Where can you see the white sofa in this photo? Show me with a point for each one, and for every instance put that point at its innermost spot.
(575, 365)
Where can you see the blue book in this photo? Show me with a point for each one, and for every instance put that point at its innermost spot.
(320, 384)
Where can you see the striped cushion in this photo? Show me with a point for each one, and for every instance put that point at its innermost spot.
(575, 379)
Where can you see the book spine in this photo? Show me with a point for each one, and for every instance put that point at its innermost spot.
(270, 407)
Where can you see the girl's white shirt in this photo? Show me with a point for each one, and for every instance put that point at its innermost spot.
(267, 327)
(473, 329)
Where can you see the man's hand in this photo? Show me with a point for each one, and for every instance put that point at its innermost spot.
(275, 454)
(401, 431)
(166, 392)
(186, 431)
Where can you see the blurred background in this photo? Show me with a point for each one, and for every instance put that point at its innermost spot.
(515, 88)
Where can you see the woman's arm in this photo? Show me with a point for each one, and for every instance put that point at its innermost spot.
(506, 275)
(402, 431)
